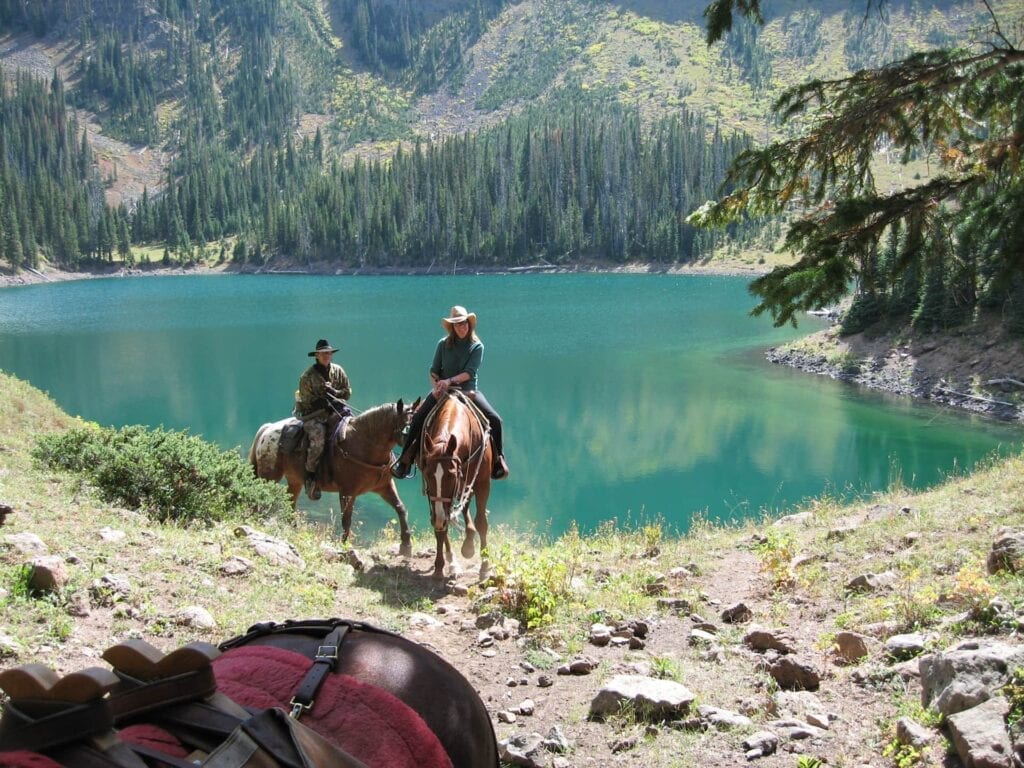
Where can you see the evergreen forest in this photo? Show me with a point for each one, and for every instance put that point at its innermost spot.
(591, 182)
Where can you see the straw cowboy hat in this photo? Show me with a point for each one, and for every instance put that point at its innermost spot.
(459, 315)
(322, 346)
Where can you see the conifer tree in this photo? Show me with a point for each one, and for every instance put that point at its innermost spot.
(963, 107)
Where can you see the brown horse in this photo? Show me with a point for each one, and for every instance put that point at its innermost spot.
(358, 463)
(455, 461)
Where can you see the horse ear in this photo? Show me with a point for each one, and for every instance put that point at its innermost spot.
(416, 404)
(401, 406)
(452, 445)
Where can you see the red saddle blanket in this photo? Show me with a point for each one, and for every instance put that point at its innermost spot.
(364, 720)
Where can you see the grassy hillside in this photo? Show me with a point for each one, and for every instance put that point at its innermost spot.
(129, 576)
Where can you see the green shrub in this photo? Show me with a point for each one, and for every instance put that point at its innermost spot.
(776, 554)
(532, 584)
(172, 476)
(902, 755)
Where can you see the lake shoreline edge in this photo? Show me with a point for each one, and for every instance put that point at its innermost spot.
(22, 277)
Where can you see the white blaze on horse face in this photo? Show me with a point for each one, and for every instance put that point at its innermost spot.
(439, 517)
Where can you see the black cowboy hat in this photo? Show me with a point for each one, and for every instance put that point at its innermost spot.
(323, 345)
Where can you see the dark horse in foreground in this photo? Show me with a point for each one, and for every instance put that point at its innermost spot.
(429, 685)
(358, 463)
(455, 461)
(356, 697)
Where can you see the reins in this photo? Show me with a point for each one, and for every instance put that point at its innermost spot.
(383, 469)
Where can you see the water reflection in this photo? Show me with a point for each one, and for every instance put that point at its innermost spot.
(622, 395)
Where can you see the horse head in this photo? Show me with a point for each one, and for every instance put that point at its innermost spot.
(442, 478)
(403, 417)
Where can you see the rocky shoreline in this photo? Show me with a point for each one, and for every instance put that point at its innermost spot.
(9, 277)
(900, 373)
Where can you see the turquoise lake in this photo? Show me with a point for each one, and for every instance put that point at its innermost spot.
(628, 397)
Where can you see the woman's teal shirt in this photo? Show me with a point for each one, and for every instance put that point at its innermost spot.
(463, 356)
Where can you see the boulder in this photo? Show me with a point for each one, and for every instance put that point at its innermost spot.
(651, 699)
(737, 613)
(903, 647)
(851, 647)
(980, 736)
(912, 733)
(762, 639)
(25, 543)
(960, 679)
(1007, 552)
(276, 551)
(794, 674)
(47, 574)
(871, 582)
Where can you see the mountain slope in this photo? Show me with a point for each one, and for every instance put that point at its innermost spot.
(648, 53)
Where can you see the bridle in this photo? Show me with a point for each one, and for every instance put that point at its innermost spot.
(464, 483)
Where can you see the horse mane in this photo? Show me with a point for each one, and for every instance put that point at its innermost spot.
(371, 423)
(371, 418)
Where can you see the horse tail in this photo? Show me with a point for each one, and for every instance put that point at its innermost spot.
(253, 457)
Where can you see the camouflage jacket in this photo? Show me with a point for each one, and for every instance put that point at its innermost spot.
(311, 401)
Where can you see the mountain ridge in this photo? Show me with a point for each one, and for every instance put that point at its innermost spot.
(668, 66)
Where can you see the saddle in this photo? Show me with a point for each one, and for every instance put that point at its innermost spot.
(292, 436)
(150, 711)
(467, 400)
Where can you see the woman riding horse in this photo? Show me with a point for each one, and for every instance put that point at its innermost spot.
(456, 362)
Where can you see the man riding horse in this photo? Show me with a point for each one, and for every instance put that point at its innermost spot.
(323, 390)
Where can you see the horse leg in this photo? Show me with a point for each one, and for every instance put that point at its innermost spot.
(468, 543)
(454, 569)
(294, 488)
(348, 503)
(481, 526)
(390, 495)
(441, 538)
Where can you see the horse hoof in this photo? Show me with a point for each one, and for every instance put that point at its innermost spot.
(405, 549)
(468, 549)
(485, 573)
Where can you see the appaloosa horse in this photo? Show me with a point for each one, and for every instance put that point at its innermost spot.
(358, 463)
(455, 461)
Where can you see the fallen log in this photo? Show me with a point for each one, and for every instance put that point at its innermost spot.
(969, 396)
(997, 382)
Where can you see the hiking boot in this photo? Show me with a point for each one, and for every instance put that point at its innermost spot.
(401, 469)
(312, 489)
(500, 469)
